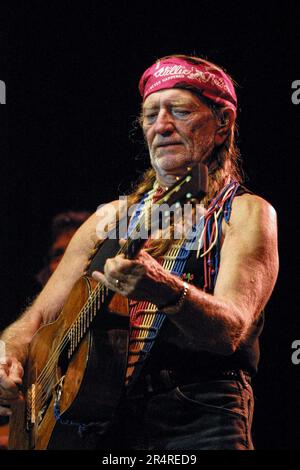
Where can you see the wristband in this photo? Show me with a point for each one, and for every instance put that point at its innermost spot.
(176, 307)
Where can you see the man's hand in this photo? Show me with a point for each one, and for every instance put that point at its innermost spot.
(11, 373)
(142, 279)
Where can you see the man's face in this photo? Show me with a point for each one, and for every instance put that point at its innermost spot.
(179, 130)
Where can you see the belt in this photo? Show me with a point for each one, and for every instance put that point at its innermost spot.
(166, 379)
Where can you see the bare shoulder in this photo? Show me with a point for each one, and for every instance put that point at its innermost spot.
(253, 212)
(253, 203)
(249, 254)
(252, 231)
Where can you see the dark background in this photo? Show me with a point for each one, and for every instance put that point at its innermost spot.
(71, 71)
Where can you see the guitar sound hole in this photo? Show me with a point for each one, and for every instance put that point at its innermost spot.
(63, 363)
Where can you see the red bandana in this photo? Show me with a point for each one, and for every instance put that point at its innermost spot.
(213, 83)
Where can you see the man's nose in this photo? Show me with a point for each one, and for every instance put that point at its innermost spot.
(164, 123)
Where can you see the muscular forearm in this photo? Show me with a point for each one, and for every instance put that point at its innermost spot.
(210, 323)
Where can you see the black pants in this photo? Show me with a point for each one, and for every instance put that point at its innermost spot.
(207, 415)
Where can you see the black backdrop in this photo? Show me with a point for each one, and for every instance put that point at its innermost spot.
(71, 71)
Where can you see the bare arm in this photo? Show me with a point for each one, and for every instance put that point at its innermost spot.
(248, 270)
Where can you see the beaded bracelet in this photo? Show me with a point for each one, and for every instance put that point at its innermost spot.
(175, 308)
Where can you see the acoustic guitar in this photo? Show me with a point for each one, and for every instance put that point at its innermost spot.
(76, 365)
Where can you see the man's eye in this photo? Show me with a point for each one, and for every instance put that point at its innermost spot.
(150, 117)
(181, 112)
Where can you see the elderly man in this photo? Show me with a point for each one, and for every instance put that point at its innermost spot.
(188, 384)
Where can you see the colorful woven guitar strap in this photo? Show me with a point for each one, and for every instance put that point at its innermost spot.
(145, 320)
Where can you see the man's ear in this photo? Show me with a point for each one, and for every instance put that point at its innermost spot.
(224, 125)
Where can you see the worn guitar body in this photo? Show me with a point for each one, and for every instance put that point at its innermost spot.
(89, 382)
